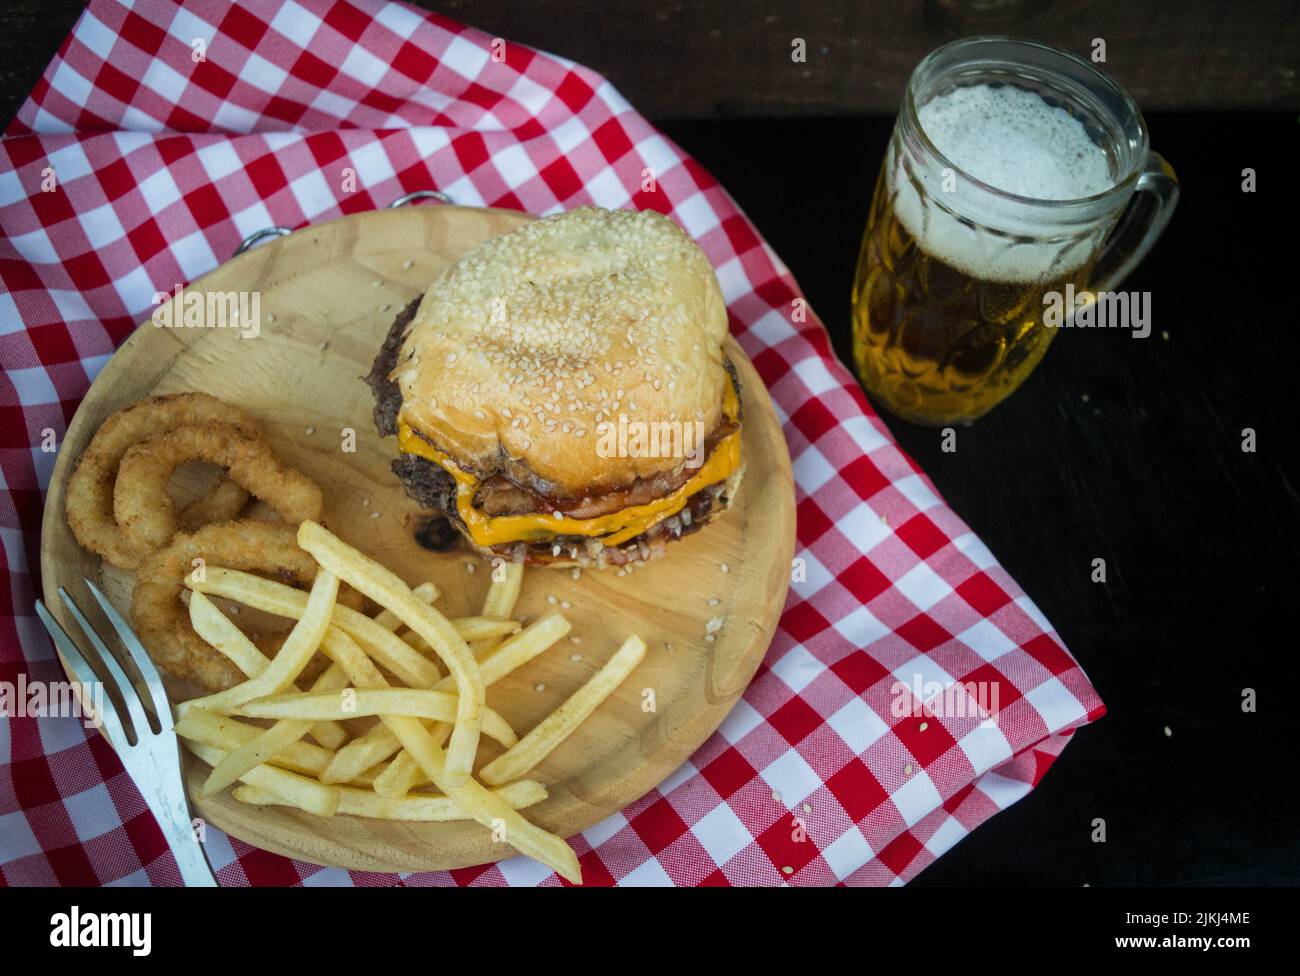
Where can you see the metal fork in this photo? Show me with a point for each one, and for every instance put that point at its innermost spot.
(153, 760)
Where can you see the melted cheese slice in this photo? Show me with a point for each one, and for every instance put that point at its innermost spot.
(611, 529)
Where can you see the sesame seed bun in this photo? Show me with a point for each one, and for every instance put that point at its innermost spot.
(523, 348)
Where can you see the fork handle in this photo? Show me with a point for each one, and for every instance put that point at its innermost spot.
(193, 864)
(173, 818)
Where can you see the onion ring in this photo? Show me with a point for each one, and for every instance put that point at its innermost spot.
(161, 620)
(146, 513)
(89, 500)
(222, 504)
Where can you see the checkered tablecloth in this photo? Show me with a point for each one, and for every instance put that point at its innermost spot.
(160, 137)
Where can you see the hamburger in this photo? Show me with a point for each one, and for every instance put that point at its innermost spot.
(561, 396)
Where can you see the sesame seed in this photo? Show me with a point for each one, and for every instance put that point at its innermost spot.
(714, 602)
(725, 568)
(407, 265)
(539, 687)
(807, 808)
(566, 604)
(374, 515)
(787, 870)
(551, 599)
(668, 648)
(924, 726)
(575, 640)
(469, 567)
(907, 770)
(575, 657)
(776, 796)
(310, 431)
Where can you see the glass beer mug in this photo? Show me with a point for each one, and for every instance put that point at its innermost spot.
(1009, 176)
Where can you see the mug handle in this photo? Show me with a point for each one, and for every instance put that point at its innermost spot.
(1141, 224)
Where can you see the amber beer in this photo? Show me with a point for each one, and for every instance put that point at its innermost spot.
(1000, 186)
(938, 335)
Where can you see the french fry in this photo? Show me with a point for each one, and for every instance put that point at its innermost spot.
(399, 776)
(403, 774)
(258, 797)
(418, 807)
(293, 655)
(399, 657)
(415, 640)
(471, 629)
(480, 803)
(413, 807)
(502, 595)
(272, 741)
(484, 806)
(329, 704)
(425, 592)
(362, 753)
(479, 632)
(228, 734)
(220, 631)
(484, 628)
(518, 650)
(384, 587)
(307, 794)
(560, 724)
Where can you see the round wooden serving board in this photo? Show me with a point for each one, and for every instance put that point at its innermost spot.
(328, 295)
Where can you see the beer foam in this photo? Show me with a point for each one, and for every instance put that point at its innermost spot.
(1012, 139)
(1015, 141)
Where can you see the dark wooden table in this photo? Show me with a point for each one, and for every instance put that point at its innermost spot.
(1128, 450)
(736, 58)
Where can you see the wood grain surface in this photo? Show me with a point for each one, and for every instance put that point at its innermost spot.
(328, 294)
(716, 58)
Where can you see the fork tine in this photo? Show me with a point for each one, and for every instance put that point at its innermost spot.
(82, 671)
(143, 662)
(130, 697)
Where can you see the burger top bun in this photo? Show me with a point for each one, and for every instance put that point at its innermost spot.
(527, 345)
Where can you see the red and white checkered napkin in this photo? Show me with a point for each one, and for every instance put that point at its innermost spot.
(171, 134)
